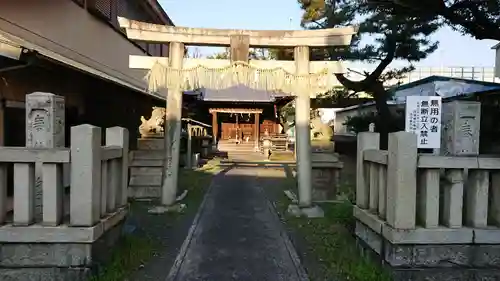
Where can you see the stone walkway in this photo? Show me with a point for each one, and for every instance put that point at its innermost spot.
(237, 236)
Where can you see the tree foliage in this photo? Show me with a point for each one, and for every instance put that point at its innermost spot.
(382, 38)
(478, 18)
(253, 54)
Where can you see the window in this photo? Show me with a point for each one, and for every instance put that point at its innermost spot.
(101, 8)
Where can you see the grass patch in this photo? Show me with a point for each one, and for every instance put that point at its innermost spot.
(282, 156)
(331, 245)
(196, 182)
(137, 248)
(127, 257)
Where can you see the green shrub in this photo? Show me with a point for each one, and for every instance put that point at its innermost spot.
(362, 122)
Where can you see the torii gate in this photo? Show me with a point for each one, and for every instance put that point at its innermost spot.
(301, 78)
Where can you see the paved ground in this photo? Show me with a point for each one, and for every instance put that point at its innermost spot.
(237, 236)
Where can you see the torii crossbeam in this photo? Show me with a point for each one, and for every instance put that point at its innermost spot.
(301, 78)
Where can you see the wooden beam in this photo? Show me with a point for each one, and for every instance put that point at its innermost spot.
(145, 62)
(148, 32)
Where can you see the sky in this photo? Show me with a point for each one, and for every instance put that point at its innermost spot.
(455, 49)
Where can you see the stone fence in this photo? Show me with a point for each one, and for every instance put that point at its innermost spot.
(427, 215)
(72, 222)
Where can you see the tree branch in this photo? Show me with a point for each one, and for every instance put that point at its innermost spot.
(356, 86)
(358, 72)
(384, 63)
(479, 27)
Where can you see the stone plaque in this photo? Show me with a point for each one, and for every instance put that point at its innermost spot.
(44, 129)
(44, 120)
(461, 128)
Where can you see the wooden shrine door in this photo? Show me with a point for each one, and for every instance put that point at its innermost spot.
(230, 130)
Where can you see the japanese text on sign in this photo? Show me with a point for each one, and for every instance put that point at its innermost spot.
(423, 118)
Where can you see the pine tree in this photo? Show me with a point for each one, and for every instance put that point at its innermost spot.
(477, 18)
(390, 37)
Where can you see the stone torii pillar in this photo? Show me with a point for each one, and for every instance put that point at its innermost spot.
(173, 130)
(302, 130)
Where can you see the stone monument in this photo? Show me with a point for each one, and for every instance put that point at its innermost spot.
(44, 129)
(461, 127)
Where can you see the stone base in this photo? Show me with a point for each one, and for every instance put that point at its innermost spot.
(325, 177)
(142, 192)
(429, 262)
(53, 274)
(309, 212)
(62, 261)
(150, 144)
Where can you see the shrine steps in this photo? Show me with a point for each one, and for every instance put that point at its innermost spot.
(244, 151)
(146, 166)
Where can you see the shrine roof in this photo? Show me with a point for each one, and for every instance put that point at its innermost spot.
(240, 93)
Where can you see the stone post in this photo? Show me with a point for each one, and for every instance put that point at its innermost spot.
(119, 136)
(215, 130)
(366, 141)
(44, 129)
(85, 196)
(302, 125)
(257, 131)
(402, 180)
(173, 129)
(189, 157)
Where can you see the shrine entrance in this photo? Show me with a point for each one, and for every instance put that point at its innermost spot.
(236, 124)
(239, 127)
(301, 78)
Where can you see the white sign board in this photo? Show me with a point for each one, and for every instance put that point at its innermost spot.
(423, 118)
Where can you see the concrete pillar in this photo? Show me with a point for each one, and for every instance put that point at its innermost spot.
(3, 166)
(365, 141)
(302, 125)
(120, 137)
(494, 206)
(402, 180)
(477, 198)
(189, 157)
(53, 194)
(173, 129)
(45, 114)
(85, 196)
(428, 207)
(257, 131)
(2, 121)
(24, 175)
(382, 191)
(104, 187)
(215, 129)
(453, 192)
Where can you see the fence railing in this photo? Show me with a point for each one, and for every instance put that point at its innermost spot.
(98, 179)
(407, 190)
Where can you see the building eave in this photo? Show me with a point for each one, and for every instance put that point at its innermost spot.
(77, 61)
(160, 12)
